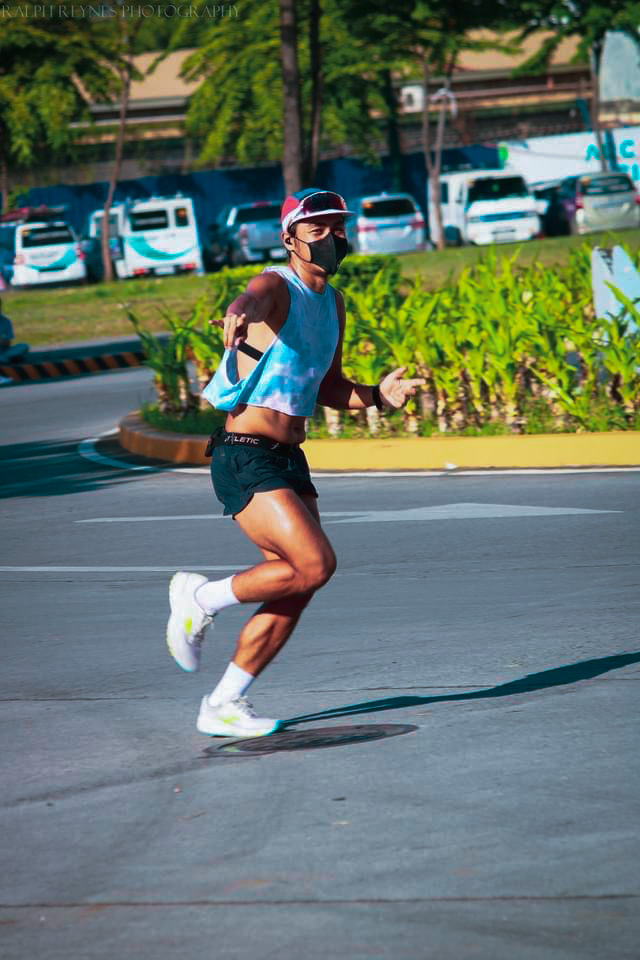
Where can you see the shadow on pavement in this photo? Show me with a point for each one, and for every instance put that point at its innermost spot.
(558, 676)
(49, 468)
(313, 739)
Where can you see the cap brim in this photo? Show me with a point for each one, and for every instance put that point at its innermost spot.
(323, 213)
(320, 213)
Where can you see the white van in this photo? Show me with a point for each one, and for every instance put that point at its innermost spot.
(156, 236)
(486, 206)
(40, 247)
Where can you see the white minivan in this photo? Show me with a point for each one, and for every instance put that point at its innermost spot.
(485, 206)
(157, 235)
(39, 247)
(385, 223)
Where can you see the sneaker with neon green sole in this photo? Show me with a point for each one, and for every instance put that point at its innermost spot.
(234, 719)
(188, 621)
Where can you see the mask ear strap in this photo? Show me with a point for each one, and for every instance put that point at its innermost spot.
(292, 248)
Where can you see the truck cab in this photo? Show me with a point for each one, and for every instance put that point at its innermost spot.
(486, 206)
(154, 236)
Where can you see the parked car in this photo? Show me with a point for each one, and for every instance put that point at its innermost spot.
(546, 196)
(595, 201)
(485, 206)
(244, 233)
(385, 223)
(157, 235)
(38, 247)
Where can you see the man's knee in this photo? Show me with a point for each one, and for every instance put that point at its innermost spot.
(318, 570)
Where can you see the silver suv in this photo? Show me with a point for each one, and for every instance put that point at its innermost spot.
(385, 223)
(244, 233)
(595, 201)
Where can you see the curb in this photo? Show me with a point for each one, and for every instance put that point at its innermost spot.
(70, 367)
(614, 449)
(139, 438)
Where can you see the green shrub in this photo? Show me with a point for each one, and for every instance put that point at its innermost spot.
(505, 348)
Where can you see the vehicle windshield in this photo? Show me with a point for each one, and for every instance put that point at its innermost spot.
(594, 186)
(113, 225)
(149, 220)
(496, 188)
(45, 236)
(393, 207)
(267, 211)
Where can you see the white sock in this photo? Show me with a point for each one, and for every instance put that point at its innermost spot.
(235, 683)
(215, 595)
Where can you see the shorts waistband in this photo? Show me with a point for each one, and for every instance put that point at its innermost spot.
(221, 438)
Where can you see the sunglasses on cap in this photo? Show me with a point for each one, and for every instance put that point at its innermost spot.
(314, 204)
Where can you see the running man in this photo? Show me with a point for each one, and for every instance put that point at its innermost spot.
(296, 320)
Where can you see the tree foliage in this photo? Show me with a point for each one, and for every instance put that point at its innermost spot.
(50, 70)
(238, 107)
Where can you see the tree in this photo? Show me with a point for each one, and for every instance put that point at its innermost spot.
(587, 20)
(291, 116)
(430, 34)
(50, 71)
(239, 107)
(124, 32)
(445, 33)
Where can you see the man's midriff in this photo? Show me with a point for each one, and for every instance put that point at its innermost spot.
(267, 423)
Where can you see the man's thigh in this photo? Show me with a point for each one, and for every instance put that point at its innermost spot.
(311, 503)
(284, 525)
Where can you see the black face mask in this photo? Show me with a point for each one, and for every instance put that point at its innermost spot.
(328, 253)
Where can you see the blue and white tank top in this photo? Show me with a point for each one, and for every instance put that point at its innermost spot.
(288, 375)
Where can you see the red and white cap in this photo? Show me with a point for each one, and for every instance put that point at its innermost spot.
(313, 205)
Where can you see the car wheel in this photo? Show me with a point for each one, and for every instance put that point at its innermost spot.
(452, 237)
(235, 258)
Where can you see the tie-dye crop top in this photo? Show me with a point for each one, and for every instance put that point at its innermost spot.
(288, 375)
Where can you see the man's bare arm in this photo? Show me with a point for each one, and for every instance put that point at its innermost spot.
(266, 300)
(338, 392)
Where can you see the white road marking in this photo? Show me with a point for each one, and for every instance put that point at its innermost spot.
(87, 449)
(189, 516)
(446, 511)
(465, 511)
(197, 516)
(462, 472)
(58, 569)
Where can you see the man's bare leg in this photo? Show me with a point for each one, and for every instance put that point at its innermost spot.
(271, 626)
(298, 560)
(286, 527)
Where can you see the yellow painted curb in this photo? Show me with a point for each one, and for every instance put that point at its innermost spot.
(615, 449)
(436, 453)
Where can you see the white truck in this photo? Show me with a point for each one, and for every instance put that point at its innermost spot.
(485, 206)
(157, 235)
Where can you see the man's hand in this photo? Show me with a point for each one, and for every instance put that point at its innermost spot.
(395, 391)
(235, 326)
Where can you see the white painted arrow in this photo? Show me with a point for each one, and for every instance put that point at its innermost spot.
(464, 511)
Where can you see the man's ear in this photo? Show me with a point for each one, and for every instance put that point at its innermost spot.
(287, 239)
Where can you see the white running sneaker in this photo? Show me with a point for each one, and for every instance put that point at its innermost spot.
(188, 621)
(234, 719)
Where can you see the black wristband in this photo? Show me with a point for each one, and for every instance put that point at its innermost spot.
(376, 396)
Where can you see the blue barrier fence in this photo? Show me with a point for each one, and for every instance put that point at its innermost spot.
(213, 189)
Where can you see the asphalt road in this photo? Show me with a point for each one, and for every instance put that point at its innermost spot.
(459, 777)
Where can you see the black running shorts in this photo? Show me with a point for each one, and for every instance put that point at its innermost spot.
(238, 472)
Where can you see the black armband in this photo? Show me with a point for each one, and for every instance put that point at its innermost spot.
(377, 397)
